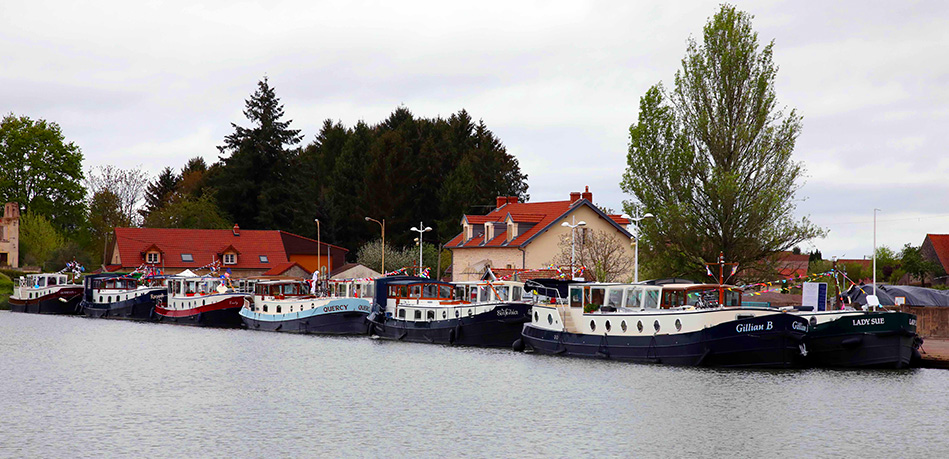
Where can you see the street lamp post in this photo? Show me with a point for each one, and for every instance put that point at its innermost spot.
(383, 225)
(634, 222)
(420, 232)
(573, 227)
(318, 244)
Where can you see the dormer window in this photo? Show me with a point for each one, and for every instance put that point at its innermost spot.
(152, 257)
(230, 258)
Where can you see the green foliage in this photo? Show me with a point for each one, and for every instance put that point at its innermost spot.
(39, 239)
(886, 263)
(370, 256)
(189, 212)
(855, 271)
(104, 215)
(160, 191)
(405, 170)
(712, 157)
(258, 184)
(915, 264)
(41, 171)
(6, 285)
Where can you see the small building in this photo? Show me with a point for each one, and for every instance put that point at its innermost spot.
(247, 253)
(10, 236)
(527, 235)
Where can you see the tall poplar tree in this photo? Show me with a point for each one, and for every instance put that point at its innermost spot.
(711, 159)
(256, 182)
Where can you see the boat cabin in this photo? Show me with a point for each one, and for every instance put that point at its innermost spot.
(43, 280)
(610, 297)
(195, 286)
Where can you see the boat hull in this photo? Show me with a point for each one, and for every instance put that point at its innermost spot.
(64, 301)
(864, 340)
(339, 317)
(222, 314)
(141, 307)
(777, 345)
(499, 327)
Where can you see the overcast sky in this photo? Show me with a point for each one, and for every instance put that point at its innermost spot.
(152, 84)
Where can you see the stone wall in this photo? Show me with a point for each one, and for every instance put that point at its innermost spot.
(931, 321)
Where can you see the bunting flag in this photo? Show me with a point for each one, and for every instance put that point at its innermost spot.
(784, 283)
(709, 271)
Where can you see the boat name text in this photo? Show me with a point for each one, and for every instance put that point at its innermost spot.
(868, 321)
(745, 328)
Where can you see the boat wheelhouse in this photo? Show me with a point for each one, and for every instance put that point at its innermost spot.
(488, 314)
(122, 296)
(47, 293)
(850, 338)
(205, 301)
(676, 324)
(290, 305)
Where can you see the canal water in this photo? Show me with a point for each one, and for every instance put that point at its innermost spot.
(76, 387)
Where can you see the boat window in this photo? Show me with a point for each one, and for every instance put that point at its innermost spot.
(444, 314)
(516, 293)
(416, 291)
(576, 297)
(53, 280)
(404, 291)
(623, 325)
(401, 313)
(430, 291)
(460, 293)
(633, 297)
(430, 315)
(41, 282)
(608, 326)
(265, 308)
(614, 298)
(651, 299)
(503, 292)
(592, 326)
(444, 291)
(483, 295)
(279, 309)
(597, 295)
(418, 314)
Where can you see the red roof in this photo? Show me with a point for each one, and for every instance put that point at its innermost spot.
(541, 214)
(940, 244)
(791, 264)
(281, 268)
(524, 274)
(204, 245)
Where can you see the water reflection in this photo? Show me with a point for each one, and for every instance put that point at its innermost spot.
(81, 387)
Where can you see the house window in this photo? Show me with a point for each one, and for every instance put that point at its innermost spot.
(264, 259)
(152, 257)
(230, 258)
(187, 257)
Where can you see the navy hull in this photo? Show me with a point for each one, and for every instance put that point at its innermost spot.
(723, 345)
(63, 302)
(344, 323)
(500, 327)
(139, 308)
(870, 340)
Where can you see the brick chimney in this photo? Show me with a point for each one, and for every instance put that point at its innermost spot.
(236, 230)
(587, 195)
(512, 199)
(574, 196)
(502, 200)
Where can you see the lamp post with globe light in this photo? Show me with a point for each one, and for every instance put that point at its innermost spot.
(420, 232)
(573, 227)
(634, 223)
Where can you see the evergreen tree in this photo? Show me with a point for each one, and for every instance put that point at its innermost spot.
(160, 191)
(255, 181)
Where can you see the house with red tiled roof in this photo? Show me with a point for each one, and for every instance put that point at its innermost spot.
(935, 248)
(526, 235)
(790, 264)
(246, 253)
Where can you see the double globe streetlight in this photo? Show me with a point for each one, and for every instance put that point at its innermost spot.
(634, 222)
(420, 233)
(573, 227)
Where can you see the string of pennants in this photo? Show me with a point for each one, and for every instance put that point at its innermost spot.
(74, 267)
(784, 283)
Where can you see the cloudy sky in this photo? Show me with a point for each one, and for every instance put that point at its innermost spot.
(152, 84)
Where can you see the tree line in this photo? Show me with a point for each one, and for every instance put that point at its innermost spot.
(404, 169)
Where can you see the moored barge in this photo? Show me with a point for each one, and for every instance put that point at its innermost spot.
(121, 296)
(861, 339)
(202, 301)
(46, 293)
(293, 306)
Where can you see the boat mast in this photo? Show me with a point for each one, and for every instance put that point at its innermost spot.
(721, 275)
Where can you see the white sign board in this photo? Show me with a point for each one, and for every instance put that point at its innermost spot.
(815, 295)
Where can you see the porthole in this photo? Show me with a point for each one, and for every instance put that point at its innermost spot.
(639, 325)
(623, 325)
(550, 319)
(470, 313)
(110, 299)
(656, 325)
(279, 309)
(592, 325)
(608, 327)
(265, 308)
(401, 313)
(430, 315)
(457, 313)
(678, 325)
(418, 315)
(444, 314)
(813, 321)
(535, 316)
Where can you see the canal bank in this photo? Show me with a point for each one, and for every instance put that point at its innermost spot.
(935, 353)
